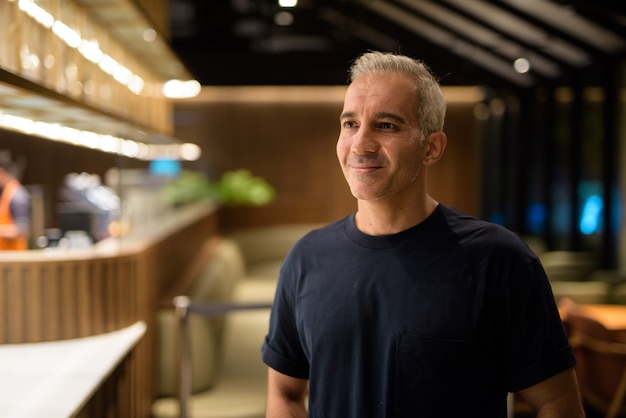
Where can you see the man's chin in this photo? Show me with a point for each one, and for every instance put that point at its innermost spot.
(366, 195)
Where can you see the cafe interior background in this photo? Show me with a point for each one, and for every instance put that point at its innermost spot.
(143, 129)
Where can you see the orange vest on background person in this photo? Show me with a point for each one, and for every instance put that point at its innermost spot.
(18, 243)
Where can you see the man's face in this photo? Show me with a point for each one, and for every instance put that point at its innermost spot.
(379, 146)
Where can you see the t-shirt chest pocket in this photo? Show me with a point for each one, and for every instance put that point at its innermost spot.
(432, 371)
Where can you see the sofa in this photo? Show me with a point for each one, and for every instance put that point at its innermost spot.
(576, 275)
(228, 377)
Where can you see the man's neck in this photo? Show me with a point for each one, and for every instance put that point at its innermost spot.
(386, 218)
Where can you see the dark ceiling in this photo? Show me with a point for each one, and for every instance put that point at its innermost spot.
(466, 42)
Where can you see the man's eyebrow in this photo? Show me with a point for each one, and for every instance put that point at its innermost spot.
(380, 115)
(392, 116)
(345, 115)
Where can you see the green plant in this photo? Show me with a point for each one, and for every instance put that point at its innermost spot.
(234, 188)
(240, 187)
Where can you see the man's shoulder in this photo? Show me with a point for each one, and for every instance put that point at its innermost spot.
(320, 238)
(472, 230)
(326, 232)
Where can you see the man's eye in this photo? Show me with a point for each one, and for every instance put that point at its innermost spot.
(349, 124)
(386, 125)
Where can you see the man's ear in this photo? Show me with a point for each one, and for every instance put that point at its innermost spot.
(435, 145)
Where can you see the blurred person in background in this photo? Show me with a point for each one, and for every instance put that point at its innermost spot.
(15, 208)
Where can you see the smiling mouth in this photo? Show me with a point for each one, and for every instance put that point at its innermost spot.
(364, 164)
(364, 169)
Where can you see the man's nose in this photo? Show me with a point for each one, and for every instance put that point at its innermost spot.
(365, 141)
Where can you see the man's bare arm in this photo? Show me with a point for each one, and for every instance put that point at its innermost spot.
(556, 397)
(286, 396)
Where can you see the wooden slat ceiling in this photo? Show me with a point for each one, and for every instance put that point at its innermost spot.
(238, 42)
(129, 25)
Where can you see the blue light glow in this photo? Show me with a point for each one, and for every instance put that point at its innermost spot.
(590, 217)
(536, 217)
(165, 167)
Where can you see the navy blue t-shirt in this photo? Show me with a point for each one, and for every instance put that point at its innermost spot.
(440, 320)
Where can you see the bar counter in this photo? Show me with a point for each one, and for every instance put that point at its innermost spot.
(55, 379)
(53, 295)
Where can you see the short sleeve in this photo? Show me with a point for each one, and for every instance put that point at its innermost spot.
(282, 350)
(536, 344)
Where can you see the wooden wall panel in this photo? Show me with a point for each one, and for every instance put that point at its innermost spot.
(455, 179)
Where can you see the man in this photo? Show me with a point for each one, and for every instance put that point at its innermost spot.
(409, 308)
(14, 210)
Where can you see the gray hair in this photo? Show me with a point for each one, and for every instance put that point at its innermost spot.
(430, 105)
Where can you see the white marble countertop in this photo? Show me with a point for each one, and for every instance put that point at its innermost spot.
(55, 379)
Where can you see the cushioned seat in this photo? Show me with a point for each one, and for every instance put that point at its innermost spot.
(222, 271)
(568, 265)
(589, 291)
(241, 388)
(228, 377)
(601, 354)
(264, 248)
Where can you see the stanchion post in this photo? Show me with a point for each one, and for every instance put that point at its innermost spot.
(181, 305)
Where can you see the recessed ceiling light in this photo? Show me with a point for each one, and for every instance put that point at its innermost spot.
(287, 3)
(521, 65)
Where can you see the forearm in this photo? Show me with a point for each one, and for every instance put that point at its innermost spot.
(556, 397)
(564, 408)
(560, 414)
(280, 407)
(286, 396)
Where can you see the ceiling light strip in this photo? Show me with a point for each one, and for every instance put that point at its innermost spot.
(105, 143)
(570, 23)
(483, 36)
(447, 40)
(518, 28)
